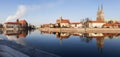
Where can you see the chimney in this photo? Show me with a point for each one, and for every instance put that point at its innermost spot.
(17, 20)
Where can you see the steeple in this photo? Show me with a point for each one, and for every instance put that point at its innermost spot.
(101, 7)
(98, 8)
(60, 17)
(100, 13)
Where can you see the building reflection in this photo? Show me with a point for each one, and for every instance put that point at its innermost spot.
(16, 35)
(99, 38)
(86, 37)
(62, 35)
(1, 31)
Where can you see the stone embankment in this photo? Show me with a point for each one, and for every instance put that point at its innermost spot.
(82, 30)
(6, 51)
(12, 49)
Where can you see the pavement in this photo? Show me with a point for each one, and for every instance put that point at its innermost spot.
(12, 49)
(6, 51)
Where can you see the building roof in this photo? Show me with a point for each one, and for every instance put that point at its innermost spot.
(107, 24)
(117, 22)
(22, 21)
(97, 21)
(63, 21)
(12, 23)
(46, 24)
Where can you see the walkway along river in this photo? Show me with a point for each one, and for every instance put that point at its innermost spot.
(82, 30)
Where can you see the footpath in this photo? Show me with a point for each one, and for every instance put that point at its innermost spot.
(12, 49)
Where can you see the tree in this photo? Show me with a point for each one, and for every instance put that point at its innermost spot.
(110, 22)
(86, 22)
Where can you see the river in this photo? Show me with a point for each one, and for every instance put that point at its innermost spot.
(67, 44)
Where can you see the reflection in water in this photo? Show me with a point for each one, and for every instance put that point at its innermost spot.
(86, 37)
(76, 43)
(62, 35)
(16, 35)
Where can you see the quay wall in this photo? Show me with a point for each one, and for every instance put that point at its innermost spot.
(82, 30)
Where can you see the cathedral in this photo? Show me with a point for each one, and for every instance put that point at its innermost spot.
(98, 23)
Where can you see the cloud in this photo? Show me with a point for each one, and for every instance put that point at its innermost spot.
(23, 8)
(20, 12)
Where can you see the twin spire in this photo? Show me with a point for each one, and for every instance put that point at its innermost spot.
(100, 13)
(100, 7)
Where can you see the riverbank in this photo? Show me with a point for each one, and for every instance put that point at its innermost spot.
(82, 30)
(12, 49)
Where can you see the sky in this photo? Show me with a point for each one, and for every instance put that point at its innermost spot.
(39, 12)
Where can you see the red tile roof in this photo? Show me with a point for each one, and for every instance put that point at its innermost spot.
(63, 21)
(113, 24)
(12, 23)
(117, 22)
(23, 21)
(97, 21)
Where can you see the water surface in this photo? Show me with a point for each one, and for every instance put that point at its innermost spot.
(67, 44)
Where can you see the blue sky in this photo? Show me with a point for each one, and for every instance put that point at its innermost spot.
(47, 11)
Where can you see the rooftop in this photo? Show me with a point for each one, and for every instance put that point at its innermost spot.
(12, 23)
(63, 21)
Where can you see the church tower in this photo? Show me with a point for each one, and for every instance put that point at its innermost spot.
(100, 14)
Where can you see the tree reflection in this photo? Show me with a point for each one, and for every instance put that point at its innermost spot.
(85, 39)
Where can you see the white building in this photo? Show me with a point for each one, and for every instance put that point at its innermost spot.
(99, 19)
(65, 23)
(96, 24)
(76, 25)
(11, 26)
(95, 34)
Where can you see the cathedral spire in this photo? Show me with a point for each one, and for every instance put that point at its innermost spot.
(101, 7)
(100, 13)
(98, 8)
